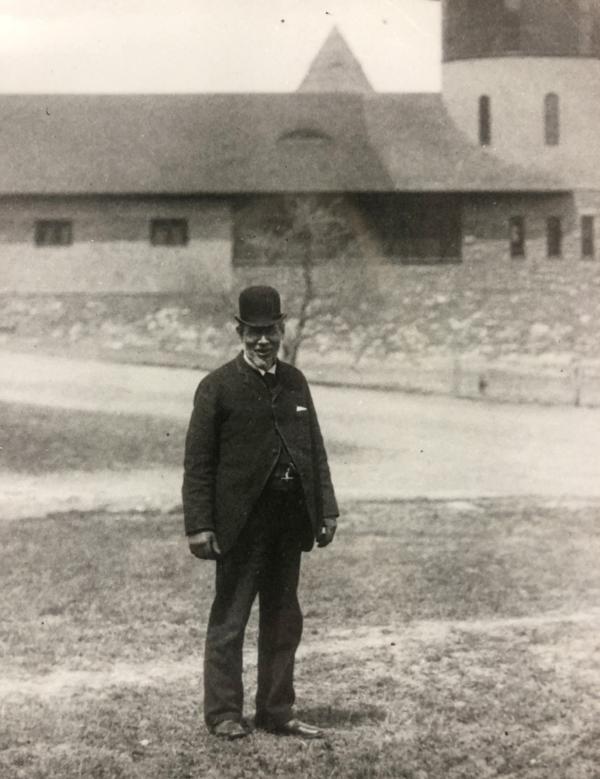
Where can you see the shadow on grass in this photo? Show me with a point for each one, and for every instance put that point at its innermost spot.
(333, 716)
(46, 440)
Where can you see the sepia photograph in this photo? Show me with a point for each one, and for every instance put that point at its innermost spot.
(300, 389)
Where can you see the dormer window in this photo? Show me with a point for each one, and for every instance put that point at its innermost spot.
(306, 134)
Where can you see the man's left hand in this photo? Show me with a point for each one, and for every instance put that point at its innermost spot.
(204, 545)
(327, 532)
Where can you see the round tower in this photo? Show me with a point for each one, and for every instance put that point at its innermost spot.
(522, 77)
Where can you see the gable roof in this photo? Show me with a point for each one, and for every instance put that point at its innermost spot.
(227, 144)
(335, 69)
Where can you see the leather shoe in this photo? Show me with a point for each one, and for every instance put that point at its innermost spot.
(295, 727)
(229, 729)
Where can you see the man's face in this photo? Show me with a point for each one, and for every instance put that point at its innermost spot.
(261, 344)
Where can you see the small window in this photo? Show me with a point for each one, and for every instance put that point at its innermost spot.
(485, 121)
(588, 249)
(551, 119)
(53, 232)
(169, 232)
(554, 236)
(516, 227)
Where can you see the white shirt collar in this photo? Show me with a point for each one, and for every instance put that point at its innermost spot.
(272, 369)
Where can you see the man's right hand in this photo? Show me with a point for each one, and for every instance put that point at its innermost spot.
(204, 545)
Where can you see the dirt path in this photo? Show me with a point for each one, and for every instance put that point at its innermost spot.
(396, 639)
(23, 496)
(398, 446)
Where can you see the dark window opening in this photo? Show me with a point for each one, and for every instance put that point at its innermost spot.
(554, 236)
(53, 232)
(407, 229)
(516, 230)
(588, 249)
(485, 121)
(424, 231)
(551, 119)
(169, 232)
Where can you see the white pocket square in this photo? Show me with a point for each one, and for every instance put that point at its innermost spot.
(301, 408)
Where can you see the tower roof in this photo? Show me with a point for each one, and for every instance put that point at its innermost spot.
(335, 69)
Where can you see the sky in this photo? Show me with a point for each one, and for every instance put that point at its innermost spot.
(153, 46)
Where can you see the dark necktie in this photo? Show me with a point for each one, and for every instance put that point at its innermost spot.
(270, 380)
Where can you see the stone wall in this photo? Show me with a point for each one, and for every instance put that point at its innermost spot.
(501, 329)
(111, 248)
(507, 330)
(487, 309)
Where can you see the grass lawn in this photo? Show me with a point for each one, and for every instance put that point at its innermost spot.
(36, 439)
(442, 640)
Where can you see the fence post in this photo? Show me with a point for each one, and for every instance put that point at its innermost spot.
(456, 376)
(577, 381)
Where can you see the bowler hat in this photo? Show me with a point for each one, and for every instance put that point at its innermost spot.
(259, 307)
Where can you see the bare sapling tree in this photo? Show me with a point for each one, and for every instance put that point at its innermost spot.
(330, 288)
(314, 223)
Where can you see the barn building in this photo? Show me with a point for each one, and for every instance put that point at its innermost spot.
(146, 193)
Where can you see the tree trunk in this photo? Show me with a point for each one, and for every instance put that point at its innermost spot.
(308, 293)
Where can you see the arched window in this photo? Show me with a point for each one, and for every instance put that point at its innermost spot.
(485, 120)
(551, 119)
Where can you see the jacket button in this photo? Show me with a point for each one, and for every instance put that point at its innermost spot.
(274, 451)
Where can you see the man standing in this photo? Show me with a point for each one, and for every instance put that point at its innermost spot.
(256, 493)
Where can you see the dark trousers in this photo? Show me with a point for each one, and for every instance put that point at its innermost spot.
(265, 561)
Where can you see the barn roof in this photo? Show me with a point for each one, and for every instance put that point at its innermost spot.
(244, 143)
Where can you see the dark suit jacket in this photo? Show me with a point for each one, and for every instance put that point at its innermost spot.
(233, 443)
